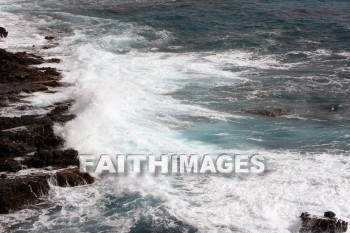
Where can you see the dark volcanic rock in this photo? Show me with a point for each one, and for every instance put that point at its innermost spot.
(11, 149)
(58, 114)
(17, 68)
(26, 134)
(56, 158)
(19, 192)
(13, 122)
(329, 214)
(53, 60)
(49, 37)
(18, 74)
(9, 165)
(270, 113)
(71, 177)
(3, 32)
(31, 138)
(317, 224)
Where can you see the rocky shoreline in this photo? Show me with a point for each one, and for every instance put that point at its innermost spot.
(28, 142)
(33, 158)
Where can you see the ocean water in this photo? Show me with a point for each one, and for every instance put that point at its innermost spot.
(179, 76)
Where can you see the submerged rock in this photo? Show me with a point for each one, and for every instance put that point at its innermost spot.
(19, 192)
(318, 224)
(3, 32)
(270, 113)
(71, 177)
(334, 108)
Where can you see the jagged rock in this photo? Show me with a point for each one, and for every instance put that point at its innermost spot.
(9, 165)
(58, 113)
(49, 71)
(20, 140)
(17, 193)
(17, 67)
(13, 122)
(326, 224)
(31, 137)
(270, 113)
(56, 158)
(3, 32)
(11, 149)
(71, 177)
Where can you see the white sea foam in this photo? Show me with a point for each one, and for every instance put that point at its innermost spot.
(123, 106)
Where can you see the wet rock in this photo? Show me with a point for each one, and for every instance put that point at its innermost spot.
(58, 114)
(334, 108)
(36, 132)
(11, 149)
(13, 122)
(71, 177)
(23, 140)
(270, 113)
(318, 224)
(3, 32)
(9, 165)
(31, 137)
(49, 71)
(62, 118)
(49, 37)
(47, 47)
(53, 84)
(56, 158)
(17, 193)
(17, 75)
(329, 214)
(53, 60)
(17, 67)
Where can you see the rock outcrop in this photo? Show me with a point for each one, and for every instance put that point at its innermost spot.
(318, 224)
(49, 37)
(17, 193)
(29, 141)
(3, 32)
(55, 158)
(71, 177)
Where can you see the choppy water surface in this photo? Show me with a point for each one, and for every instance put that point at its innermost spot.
(184, 77)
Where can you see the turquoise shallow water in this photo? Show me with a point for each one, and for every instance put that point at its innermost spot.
(184, 77)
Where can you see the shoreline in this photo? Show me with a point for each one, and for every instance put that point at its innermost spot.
(29, 141)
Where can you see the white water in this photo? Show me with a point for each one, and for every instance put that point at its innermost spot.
(122, 107)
